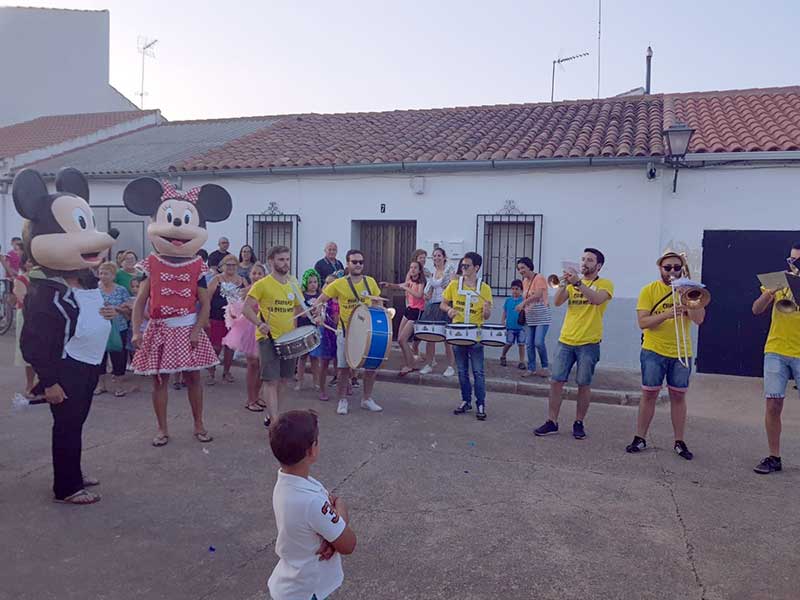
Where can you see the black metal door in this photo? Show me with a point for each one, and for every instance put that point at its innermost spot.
(731, 338)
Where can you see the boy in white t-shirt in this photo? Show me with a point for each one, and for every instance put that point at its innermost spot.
(312, 523)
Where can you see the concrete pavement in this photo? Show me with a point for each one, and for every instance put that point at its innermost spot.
(443, 506)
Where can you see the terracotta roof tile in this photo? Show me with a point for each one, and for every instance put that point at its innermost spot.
(50, 131)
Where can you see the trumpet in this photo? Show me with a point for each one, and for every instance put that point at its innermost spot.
(692, 297)
(554, 281)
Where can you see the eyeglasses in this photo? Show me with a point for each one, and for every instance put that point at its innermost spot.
(356, 262)
(466, 266)
(669, 268)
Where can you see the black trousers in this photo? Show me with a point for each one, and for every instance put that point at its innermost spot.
(78, 381)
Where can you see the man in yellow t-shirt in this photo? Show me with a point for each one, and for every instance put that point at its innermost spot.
(663, 350)
(587, 296)
(781, 358)
(271, 306)
(469, 289)
(350, 291)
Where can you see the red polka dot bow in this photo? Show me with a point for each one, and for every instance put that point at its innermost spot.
(170, 191)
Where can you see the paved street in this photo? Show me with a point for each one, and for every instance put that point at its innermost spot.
(443, 506)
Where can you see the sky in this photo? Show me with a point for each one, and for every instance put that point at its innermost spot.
(250, 57)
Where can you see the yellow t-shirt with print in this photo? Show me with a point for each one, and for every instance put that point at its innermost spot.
(584, 322)
(276, 302)
(341, 290)
(663, 339)
(459, 302)
(784, 332)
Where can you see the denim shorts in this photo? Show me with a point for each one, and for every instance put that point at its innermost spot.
(656, 368)
(587, 356)
(778, 369)
(517, 336)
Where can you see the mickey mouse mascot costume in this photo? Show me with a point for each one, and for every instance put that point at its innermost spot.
(66, 325)
(175, 291)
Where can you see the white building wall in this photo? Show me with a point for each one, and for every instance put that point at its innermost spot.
(55, 62)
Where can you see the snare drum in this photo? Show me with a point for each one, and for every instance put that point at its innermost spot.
(369, 337)
(460, 334)
(431, 331)
(297, 342)
(493, 335)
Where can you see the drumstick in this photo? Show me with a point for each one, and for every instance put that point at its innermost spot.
(378, 298)
(329, 328)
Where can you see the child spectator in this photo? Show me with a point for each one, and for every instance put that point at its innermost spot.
(515, 333)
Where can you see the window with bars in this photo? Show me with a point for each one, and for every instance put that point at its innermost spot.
(502, 240)
(265, 231)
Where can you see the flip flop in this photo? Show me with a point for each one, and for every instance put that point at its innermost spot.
(203, 436)
(99, 391)
(261, 403)
(90, 482)
(254, 408)
(160, 440)
(405, 371)
(79, 498)
(227, 378)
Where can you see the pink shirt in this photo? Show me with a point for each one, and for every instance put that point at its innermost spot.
(539, 283)
(413, 302)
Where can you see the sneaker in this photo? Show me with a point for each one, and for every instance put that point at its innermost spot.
(682, 450)
(480, 414)
(267, 421)
(371, 405)
(502, 361)
(433, 364)
(425, 370)
(449, 372)
(355, 382)
(769, 465)
(637, 445)
(548, 428)
(522, 366)
(342, 408)
(577, 430)
(464, 407)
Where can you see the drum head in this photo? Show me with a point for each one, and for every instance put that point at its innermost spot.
(296, 334)
(359, 331)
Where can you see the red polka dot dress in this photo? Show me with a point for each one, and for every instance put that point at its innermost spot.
(165, 346)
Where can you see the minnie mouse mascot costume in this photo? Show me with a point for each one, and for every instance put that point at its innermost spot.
(66, 325)
(175, 291)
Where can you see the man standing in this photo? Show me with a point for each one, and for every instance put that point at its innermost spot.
(350, 291)
(329, 264)
(587, 296)
(217, 255)
(468, 300)
(781, 360)
(271, 306)
(663, 354)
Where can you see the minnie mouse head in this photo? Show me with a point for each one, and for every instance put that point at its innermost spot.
(178, 226)
(61, 234)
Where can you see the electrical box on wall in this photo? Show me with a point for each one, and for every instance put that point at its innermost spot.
(454, 248)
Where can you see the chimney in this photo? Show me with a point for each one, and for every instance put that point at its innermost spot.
(649, 60)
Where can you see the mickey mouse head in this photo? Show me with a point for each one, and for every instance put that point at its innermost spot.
(178, 226)
(63, 233)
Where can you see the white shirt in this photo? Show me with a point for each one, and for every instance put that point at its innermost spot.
(91, 332)
(438, 285)
(304, 516)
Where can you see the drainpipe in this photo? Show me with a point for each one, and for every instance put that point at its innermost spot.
(647, 78)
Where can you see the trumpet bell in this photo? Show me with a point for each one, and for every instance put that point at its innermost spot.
(695, 297)
(554, 281)
(785, 306)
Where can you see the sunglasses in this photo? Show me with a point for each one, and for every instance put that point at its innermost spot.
(357, 262)
(669, 268)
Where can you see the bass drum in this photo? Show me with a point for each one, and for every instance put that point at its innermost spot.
(369, 337)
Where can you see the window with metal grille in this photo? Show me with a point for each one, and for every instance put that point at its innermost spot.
(266, 231)
(503, 239)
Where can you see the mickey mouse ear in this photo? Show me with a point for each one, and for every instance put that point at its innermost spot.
(214, 203)
(72, 181)
(29, 192)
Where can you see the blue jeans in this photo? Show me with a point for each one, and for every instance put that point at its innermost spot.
(778, 370)
(466, 356)
(535, 343)
(586, 355)
(656, 368)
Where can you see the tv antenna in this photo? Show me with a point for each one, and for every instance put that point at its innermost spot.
(146, 49)
(559, 62)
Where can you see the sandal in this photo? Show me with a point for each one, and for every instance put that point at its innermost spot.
(254, 408)
(227, 378)
(211, 381)
(261, 403)
(100, 390)
(203, 436)
(79, 498)
(119, 393)
(405, 371)
(90, 482)
(160, 440)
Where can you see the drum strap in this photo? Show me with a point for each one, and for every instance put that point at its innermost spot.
(468, 294)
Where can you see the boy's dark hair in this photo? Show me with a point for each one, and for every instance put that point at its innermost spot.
(351, 253)
(598, 255)
(292, 434)
(475, 258)
(516, 283)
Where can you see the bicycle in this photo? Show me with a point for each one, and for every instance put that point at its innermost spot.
(7, 306)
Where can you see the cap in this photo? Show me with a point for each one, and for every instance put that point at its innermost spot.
(671, 254)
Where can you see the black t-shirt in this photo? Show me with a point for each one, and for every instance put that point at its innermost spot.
(215, 257)
(325, 268)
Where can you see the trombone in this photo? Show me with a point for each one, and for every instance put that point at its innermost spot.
(692, 297)
(788, 304)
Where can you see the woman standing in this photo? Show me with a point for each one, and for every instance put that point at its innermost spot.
(247, 259)
(443, 272)
(225, 287)
(535, 305)
(127, 271)
(241, 337)
(414, 287)
(116, 297)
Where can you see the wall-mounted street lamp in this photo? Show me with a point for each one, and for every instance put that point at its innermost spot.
(678, 136)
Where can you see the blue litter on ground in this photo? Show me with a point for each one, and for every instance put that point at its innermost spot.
(212, 549)
(471, 444)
